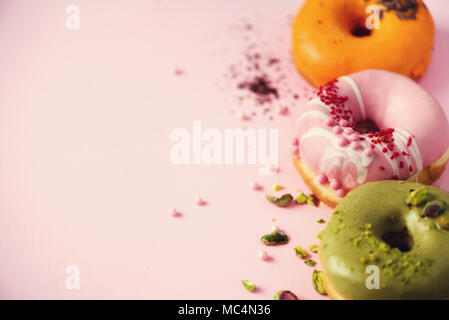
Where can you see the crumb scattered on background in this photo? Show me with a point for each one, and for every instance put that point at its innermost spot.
(259, 79)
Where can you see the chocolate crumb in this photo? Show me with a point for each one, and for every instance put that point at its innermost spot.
(259, 77)
(262, 88)
(405, 9)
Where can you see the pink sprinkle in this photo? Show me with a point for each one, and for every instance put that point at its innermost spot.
(282, 110)
(343, 142)
(344, 123)
(349, 130)
(368, 152)
(173, 212)
(199, 201)
(354, 137)
(330, 122)
(337, 130)
(341, 193)
(177, 71)
(295, 142)
(254, 185)
(355, 145)
(322, 179)
(242, 116)
(335, 184)
(272, 168)
(263, 255)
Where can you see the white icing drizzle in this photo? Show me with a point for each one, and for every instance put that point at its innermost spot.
(357, 93)
(401, 144)
(319, 102)
(413, 149)
(316, 113)
(332, 155)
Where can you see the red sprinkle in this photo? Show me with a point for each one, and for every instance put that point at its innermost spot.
(328, 94)
(395, 155)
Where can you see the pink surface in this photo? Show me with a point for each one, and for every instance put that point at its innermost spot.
(85, 176)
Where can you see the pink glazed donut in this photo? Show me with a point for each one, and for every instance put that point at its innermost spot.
(369, 126)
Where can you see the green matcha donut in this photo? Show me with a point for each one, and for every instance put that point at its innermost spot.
(393, 231)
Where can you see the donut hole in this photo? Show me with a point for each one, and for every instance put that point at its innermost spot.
(366, 126)
(399, 239)
(360, 31)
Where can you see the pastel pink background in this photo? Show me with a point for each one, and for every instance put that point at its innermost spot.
(85, 176)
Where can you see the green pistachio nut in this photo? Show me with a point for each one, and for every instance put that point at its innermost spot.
(418, 196)
(310, 263)
(250, 286)
(283, 201)
(285, 295)
(274, 238)
(443, 222)
(313, 248)
(318, 282)
(313, 200)
(301, 199)
(435, 208)
(300, 252)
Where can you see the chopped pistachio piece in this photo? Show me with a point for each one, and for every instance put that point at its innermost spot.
(418, 196)
(277, 187)
(313, 200)
(301, 199)
(285, 295)
(435, 208)
(283, 201)
(321, 221)
(318, 282)
(250, 286)
(372, 257)
(300, 252)
(313, 248)
(443, 222)
(310, 263)
(274, 238)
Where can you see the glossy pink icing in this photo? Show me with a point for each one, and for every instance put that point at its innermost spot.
(349, 158)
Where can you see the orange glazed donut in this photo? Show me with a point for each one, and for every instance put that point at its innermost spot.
(330, 38)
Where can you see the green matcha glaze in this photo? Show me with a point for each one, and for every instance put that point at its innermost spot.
(353, 240)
